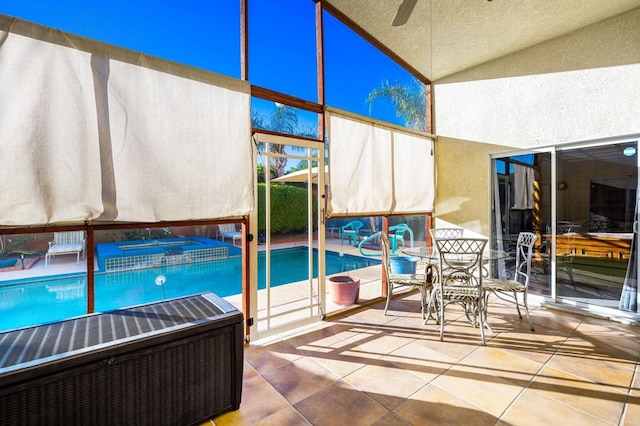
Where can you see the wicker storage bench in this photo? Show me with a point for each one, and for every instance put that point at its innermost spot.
(175, 362)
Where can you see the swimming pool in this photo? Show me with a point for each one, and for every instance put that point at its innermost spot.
(24, 303)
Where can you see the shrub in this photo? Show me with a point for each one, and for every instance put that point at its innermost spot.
(288, 208)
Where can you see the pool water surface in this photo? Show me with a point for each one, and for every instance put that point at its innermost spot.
(25, 303)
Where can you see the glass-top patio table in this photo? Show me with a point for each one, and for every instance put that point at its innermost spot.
(430, 256)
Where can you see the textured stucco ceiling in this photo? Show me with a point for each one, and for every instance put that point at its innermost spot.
(443, 37)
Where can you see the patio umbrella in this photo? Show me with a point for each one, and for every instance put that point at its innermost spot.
(302, 176)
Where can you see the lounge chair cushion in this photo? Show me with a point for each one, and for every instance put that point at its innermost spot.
(7, 263)
(65, 248)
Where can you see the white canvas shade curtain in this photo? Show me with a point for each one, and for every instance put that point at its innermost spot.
(377, 169)
(523, 187)
(85, 135)
(629, 297)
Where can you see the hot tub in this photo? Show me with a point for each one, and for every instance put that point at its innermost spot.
(128, 255)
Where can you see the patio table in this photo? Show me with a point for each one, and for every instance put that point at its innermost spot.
(430, 256)
(331, 231)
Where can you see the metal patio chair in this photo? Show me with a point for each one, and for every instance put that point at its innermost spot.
(460, 280)
(508, 289)
(417, 280)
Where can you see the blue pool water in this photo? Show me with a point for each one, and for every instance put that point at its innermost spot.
(24, 303)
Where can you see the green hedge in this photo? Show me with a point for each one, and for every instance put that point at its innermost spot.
(288, 208)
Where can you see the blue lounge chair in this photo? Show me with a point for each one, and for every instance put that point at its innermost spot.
(351, 231)
(396, 236)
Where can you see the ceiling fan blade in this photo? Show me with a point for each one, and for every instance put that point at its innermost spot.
(404, 12)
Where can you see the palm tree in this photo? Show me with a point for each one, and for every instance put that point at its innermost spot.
(258, 121)
(410, 101)
(283, 119)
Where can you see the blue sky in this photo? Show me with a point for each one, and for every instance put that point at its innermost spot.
(205, 34)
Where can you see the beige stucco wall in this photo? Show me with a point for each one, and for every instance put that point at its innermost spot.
(582, 86)
(462, 184)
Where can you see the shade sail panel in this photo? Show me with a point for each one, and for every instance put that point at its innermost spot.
(413, 166)
(181, 148)
(92, 132)
(378, 169)
(360, 168)
(49, 152)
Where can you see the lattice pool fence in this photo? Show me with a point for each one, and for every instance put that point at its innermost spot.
(127, 263)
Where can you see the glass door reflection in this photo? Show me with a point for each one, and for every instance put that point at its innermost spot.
(596, 210)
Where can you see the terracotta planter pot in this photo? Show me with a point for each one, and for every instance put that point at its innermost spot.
(344, 290)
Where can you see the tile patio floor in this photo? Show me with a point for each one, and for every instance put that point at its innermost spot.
(364, 368)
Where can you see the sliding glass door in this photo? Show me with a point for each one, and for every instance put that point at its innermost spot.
(596, 210)
(581, 201)
(522, 203)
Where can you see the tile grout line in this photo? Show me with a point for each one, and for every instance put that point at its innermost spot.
(340, 380)
(542, 367)
(429, 383)
(629, 390)
(452, 365)
(289, 403)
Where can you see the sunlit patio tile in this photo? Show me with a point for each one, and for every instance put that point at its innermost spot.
(259, 400)
(632, 412)
(435, 406)
(386, 383)
(601, 401)
(507, 365)
(299, 379)
(266, 358)
(287, 416)
(538, 346)
(482, 387)
(534, 409)
(603, 372)
(420, 360)
(341, 404)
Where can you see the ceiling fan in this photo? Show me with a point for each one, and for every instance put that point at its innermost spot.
(404, 12)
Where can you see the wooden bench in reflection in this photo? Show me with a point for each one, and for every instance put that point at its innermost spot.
(595, 259)
(614, 246)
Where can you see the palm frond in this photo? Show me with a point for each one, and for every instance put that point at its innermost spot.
(409, 101)
(284, 119)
